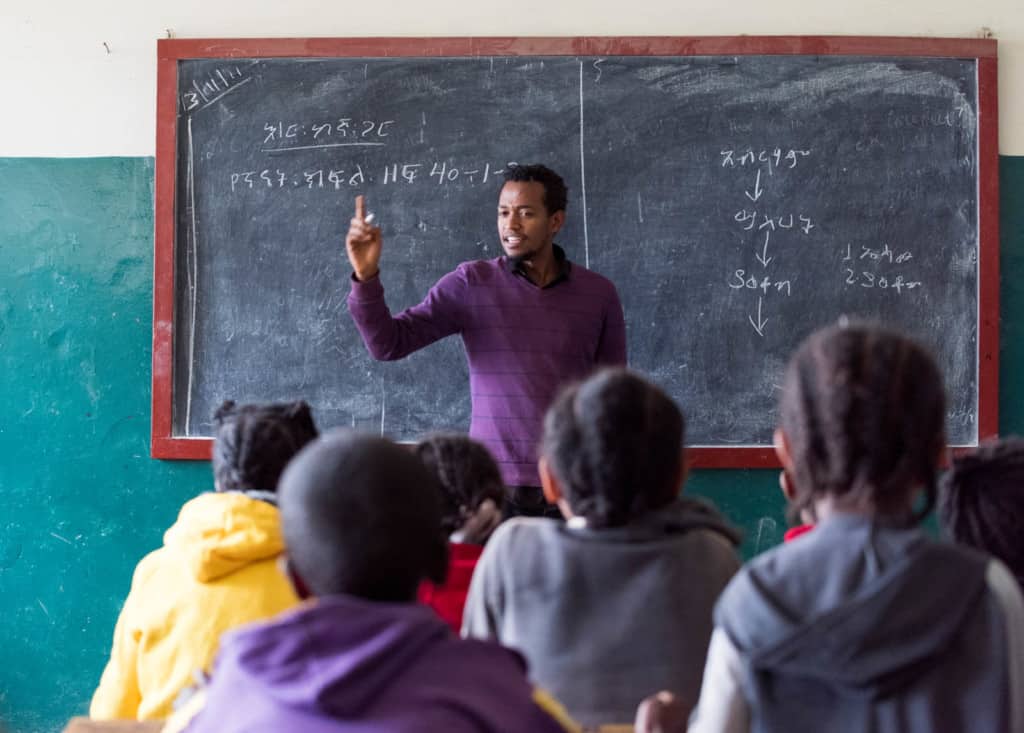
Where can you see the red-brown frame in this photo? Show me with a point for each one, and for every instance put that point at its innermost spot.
(169, 51)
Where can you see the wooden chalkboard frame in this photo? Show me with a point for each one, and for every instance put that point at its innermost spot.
(169, 51)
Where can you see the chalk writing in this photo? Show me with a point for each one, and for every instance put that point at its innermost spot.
(854, 260)
(764, 223)
(961, 416)
(203, 92)
(871, 280)
(440, 172)
(878, 254)
(437, 172)
(286, 137)
(761, 220)
(923, 119)
(775, 158)
(318, 178)
(741, 279)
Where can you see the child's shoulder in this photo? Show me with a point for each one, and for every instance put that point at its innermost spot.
(523, 542)
(152, 564)
(524, 529)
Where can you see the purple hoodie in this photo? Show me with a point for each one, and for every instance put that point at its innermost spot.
(345, 664)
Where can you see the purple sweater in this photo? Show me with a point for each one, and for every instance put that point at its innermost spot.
(345, 665)
(522, 343)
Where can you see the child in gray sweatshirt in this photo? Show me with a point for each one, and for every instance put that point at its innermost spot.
(614, 604)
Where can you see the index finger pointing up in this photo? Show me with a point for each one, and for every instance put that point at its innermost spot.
(360, 208)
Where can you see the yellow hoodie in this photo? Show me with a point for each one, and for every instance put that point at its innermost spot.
(216, 570)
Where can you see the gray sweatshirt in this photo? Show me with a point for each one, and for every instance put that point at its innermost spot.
(861, 627)
(606, 617)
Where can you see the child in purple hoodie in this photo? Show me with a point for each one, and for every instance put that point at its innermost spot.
(362, 525)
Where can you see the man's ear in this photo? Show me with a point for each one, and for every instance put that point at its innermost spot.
(298, 584)
(552, 489)
(555, 222)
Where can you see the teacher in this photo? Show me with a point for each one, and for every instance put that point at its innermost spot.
(530, 321)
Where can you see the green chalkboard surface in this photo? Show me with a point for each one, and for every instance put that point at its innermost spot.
(738, 200)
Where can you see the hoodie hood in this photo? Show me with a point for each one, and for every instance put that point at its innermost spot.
(219, 533)
(856, 605)
(343, 663)
(682, 515)
(335, 655)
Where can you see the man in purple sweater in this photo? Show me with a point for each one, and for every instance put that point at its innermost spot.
(530, 321)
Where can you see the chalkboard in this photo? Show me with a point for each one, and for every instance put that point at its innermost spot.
(738, 201)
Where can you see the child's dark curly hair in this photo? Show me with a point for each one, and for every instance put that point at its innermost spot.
(863, 411)
(253, 443)
(615, 443)
(467, 473)
(981, 501)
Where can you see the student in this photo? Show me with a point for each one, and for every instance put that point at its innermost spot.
(472, 493)
(362, 523)
(864, 624)
(981, 501)
(530, 321)
(615, 604)
(217, 568)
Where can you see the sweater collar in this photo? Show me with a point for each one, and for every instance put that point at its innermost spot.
(564, 267)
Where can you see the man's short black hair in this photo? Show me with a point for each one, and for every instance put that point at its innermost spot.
(254, 442)
(556, 195)
(615, 443)
(362, 516)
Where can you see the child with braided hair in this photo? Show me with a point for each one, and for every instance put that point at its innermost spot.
(217, 568)
(472, 495)
(865, 624)
(614, 603)
(981, 501)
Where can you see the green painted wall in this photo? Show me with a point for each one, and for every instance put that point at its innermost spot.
(1011, 295)
(83, 501)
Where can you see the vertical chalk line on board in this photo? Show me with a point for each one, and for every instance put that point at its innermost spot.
(383, 405)
(763, 524)
(194, 277)
(583, 180)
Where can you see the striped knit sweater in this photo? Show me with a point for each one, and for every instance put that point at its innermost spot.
(522, 343)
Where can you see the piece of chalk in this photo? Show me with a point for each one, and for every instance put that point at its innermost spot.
(369, 218)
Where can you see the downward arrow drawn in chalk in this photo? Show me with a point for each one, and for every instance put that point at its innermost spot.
(763, 258)
(760, 323)
(757, 189)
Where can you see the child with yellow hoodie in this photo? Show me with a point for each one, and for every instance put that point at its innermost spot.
(217, 568)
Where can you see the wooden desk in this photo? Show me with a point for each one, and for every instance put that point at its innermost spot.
(85, 725)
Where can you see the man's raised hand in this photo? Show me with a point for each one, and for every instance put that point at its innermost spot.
(363, 244)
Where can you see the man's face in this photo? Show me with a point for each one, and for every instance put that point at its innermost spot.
(524, 224)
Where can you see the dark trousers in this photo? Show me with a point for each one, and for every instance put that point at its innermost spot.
(528, 501)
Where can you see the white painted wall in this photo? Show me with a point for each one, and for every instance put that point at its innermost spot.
(64, 94)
